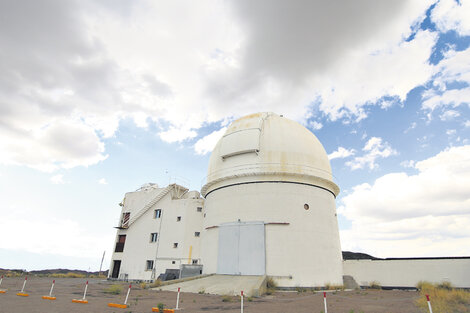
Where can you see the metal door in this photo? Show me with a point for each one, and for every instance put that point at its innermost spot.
(241, 249)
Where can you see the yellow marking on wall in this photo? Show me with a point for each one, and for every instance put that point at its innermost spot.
(190, 254)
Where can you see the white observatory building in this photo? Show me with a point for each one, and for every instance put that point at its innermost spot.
(268, 209)
(270, 205)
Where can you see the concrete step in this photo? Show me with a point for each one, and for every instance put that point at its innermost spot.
(221, 285)
(349, 282)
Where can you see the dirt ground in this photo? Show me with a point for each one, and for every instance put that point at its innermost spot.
(142, 300)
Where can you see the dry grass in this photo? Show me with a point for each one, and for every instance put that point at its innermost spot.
(114, 289)
(375, 285)
(271, 285)
(444, 298)
(68, 275)
(155, 284)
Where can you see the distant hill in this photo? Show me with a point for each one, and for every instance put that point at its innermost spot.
(59, 272)
(348, 255)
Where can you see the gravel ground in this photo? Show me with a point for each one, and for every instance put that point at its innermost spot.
(142, 300)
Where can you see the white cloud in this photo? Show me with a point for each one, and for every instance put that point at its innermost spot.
(451, 132)
(58, 179)
(413, 215)
(206, 144)
(454, 97)
(374, 149)
(467, 123)
(408, 163)
(177, 134)
(38, 233)
(102, 181)
(341, 153)
(449, 115)
(58, 145)
(452, 15)
(316, 125)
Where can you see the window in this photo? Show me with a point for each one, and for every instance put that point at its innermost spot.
(178, 218)
(173, 262)
(157, 213)
(199, 209)
(149, 265)
(153, 237)
(197, 234)
(120, 243)
(194, 261)
(125, 219)
(175, 245)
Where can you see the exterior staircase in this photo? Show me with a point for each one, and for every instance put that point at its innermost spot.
(151, 203)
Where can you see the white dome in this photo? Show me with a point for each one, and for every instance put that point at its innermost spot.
(267, 147)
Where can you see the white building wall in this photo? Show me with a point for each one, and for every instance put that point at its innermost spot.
(408, 272)
(138, 247)
(302, 246)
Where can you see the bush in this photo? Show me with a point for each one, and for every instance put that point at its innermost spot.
(444, 299)
(374, 285)
(114, 289)
(156, 283)
(270, 286)
(227, 298)
(143, 285)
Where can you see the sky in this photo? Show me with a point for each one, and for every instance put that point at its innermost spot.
(100, 97)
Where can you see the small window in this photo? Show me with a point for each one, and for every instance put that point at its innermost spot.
(204, 214)
(175, 245)
(173, 262)
(178, 218)
(197, 234)
(126, 216)
(194, 261)
(157, 213)
(153, 237)
(149, 265)
(306, 206)
(199, 209)
(120, 243)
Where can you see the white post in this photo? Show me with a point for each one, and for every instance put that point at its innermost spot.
(24, 284)
(241, 305)
(128, 291)
(52, 287)
(429, 304)
(178, 299)
(1, 279)
(86, 287)
(324, 301)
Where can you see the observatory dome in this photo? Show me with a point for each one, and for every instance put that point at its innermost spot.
(265, 147)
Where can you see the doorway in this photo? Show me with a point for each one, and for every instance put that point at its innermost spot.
(116, 268)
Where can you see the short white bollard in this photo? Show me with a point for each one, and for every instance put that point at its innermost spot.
(84, 296)
(128, 291)
(2, 290)
(22, 293)
(324, 302)
(429, 304)
(52, 288)
(241, 305)
(178, 299)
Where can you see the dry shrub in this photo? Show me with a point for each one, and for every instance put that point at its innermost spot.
(270, 285)
(375, 285)
(114, 289)
(444, 298)
(227, 298)
(156, 283)
(336, 287)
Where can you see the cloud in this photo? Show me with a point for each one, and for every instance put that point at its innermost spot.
(58, 179)
(207, 143)
(374, 149)
(411, 215)
(316, 125)
(58, 145)
(177, 134)
(102, 181)
(467, 123)
(341, 153)
(449, 115)
(454, 98)
(452, 15)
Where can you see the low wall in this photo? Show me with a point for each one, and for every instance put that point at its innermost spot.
(408, 272)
